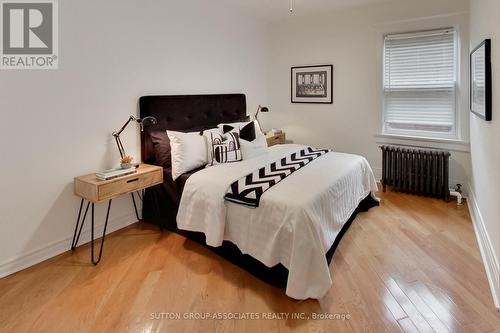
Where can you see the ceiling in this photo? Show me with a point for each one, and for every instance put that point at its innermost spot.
(279, 9)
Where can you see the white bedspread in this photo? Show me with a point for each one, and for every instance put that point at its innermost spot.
(297, 220)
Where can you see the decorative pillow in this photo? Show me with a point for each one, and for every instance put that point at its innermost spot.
(224, 148)
(247, 132)
(188, 150)
(161, 145)
(251, 149)
(239, 125)
(208, 134)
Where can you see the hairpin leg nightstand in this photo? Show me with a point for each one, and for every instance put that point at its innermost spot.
(93, 190)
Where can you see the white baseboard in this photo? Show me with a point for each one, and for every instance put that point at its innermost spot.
(490, 260)
(55, 248)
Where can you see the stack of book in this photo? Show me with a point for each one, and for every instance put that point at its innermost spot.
(114, 173)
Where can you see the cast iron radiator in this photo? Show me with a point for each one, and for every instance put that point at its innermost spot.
(416, 170)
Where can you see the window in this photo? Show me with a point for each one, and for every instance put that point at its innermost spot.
(420, 81)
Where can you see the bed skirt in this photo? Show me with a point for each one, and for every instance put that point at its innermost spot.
(160, 209)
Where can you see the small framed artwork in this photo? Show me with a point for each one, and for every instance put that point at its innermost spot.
(312, 84)
(480, 80)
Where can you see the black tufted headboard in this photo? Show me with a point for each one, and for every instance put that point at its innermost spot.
(188, 113)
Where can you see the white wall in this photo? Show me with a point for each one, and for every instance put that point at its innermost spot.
(352, 40)
(485, 148)
(57, 124)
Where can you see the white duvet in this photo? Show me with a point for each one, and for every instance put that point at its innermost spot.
(297, 220)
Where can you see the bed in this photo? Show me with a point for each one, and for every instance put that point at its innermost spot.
(289, 240)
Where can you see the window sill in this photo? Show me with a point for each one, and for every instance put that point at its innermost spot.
(448, 144)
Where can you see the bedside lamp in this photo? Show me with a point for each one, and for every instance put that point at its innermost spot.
(146, 121)
(260, 109)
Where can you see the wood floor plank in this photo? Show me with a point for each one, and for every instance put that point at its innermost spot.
(437, 307)
(410, 265)
(423, 308)
(408, 326)
(369, 270)
(369, 297)
(413, 314)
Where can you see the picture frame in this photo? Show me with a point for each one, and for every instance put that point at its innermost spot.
(312, 84)
(480, 81)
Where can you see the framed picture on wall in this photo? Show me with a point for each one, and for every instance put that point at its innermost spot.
(312, 84)
(480, 80)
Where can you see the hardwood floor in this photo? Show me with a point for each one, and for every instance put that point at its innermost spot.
(410, 265)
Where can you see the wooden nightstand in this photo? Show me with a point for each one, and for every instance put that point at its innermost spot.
(275, 139)
(93, 190)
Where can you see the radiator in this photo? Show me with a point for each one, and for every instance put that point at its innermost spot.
(416, 170)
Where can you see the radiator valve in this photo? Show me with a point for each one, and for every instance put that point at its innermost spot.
(457, 192)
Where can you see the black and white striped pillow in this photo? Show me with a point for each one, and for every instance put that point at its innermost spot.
(224, 148)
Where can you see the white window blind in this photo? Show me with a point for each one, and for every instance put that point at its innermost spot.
(420, 73)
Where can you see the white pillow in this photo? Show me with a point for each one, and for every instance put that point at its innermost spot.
(251, 149)
(189, 151)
